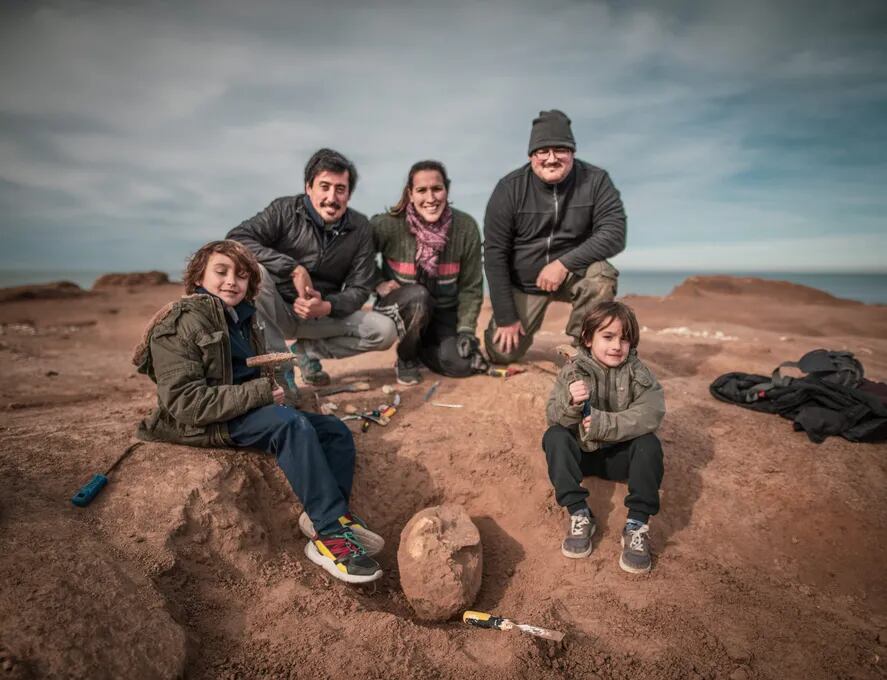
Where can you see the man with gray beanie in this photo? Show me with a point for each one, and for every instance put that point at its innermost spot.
(549, 228)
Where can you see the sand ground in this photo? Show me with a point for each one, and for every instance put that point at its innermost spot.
(769, 549)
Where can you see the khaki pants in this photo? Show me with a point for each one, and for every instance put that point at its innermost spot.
(582, 292)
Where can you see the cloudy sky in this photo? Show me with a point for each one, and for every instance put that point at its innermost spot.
(741, 136)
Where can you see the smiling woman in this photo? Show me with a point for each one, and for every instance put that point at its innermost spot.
(431, 280)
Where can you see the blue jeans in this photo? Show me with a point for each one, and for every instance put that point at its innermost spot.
(315, 452)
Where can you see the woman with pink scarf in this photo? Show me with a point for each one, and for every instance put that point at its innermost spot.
(431, 279)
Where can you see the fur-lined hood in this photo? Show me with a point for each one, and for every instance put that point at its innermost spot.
(165, 322)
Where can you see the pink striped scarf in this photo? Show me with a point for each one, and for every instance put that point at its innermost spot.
(430, 238)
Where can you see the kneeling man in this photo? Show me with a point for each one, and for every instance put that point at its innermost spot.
(318, 266)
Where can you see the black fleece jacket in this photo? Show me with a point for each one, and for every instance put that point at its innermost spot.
(342, 264)
(529, 224)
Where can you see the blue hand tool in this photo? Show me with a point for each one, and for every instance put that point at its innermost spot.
(90, 490)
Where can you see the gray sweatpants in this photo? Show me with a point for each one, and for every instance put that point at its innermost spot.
(325, 338)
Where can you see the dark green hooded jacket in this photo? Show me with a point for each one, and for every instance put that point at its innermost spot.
(625, 402)
(186, 351)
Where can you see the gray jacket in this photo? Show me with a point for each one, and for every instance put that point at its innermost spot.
(342, 267)
(624, 402)
(529, 224)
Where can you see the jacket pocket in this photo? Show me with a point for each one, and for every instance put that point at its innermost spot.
(213, 355)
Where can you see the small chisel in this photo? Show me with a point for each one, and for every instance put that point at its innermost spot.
(484, 620)
(91, 489)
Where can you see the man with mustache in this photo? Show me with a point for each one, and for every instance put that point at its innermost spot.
(549, 228)
(318, 265)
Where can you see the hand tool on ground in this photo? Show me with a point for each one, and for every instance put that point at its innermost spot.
(350, 387)
(90, 490)
(269, 363)
(506, 372)
(431, 390)
(484, 620)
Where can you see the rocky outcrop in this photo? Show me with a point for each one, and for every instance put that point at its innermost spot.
(131, 279)
(42, 291)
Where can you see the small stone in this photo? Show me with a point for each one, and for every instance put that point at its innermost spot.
(440, 560)
(739, 674)
(736, 651)
(388, 389)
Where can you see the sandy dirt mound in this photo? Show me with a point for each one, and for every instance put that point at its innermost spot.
(131, 279)
(784, 291)
(769, 549)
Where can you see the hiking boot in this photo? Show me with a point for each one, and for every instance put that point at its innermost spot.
(635, 557)
(312, 372)
(407, 372)
(342, 556)
(577, 542)
(371, 541)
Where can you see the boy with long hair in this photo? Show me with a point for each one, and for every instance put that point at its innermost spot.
(195, 350)
(602, 413)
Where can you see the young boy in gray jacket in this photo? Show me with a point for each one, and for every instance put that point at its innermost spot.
(602, 413)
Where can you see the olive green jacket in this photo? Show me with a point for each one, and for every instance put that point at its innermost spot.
(187, 353)
(625, 402)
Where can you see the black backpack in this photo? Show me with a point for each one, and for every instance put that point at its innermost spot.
(830, 399)
(832, 368)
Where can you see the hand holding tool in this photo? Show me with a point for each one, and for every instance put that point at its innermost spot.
(269, 363)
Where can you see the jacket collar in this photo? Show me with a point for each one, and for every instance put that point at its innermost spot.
(242, 311)
(307, 209)
(587, 361)
(560, 187)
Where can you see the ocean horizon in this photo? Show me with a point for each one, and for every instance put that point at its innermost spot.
(868, 287)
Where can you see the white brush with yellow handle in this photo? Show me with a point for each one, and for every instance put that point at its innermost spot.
(484, 620)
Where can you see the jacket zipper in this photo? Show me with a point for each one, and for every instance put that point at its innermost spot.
(551, 231)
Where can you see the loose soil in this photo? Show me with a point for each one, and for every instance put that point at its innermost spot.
(769, 549)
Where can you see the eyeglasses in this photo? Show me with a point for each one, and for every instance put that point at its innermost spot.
(560, 152)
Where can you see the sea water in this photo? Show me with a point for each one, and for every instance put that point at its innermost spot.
(870, 288)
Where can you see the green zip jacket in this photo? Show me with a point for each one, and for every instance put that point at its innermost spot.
(187, 353)
(460, 281)
(625, 402)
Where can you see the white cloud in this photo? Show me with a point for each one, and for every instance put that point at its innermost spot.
(196, 116)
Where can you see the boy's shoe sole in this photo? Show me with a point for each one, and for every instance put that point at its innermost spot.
(579, 556)
(630, 569)
(329, 566)
(371, 541)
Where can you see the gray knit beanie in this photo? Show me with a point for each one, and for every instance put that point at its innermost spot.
(551, 128)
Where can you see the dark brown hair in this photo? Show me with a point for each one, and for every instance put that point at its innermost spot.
(327, 160)
(602, 315)
(243, 258)
(435, 166)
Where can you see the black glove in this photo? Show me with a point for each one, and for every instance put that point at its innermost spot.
(467, 344)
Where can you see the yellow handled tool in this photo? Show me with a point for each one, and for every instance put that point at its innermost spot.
(484, 620)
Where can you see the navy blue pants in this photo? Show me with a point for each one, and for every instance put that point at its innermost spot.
(315, 452)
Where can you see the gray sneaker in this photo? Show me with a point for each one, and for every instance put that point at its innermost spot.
(635, 557)
(407, 372)
(312, 372)
(577, 542)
